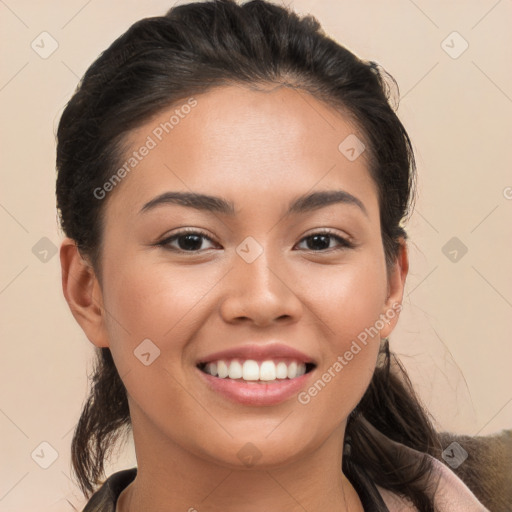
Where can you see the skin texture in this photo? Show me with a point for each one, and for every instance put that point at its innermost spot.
(260, 149)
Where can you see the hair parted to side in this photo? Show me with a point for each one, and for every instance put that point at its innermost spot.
(197, 46)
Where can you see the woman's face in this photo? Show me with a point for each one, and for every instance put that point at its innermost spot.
(258, 276)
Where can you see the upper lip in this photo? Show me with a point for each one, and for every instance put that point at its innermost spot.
(259, 352)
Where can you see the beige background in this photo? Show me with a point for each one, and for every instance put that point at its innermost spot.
(454, 335)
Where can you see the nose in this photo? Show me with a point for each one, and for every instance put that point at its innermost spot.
(261, 292)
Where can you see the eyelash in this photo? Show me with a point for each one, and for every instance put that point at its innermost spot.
(343, 242)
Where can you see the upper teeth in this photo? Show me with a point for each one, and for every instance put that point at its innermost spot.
(252, 370)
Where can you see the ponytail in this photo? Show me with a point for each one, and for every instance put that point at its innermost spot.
(388, 420)
(101, 423)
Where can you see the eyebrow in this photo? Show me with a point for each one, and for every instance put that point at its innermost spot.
(302, 204)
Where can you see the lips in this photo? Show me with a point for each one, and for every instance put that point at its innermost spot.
(264, 387)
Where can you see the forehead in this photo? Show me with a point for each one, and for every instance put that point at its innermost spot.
(241, 141)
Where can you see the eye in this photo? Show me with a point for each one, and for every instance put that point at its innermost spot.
(189, 240)
(321, 240)
(186, 240)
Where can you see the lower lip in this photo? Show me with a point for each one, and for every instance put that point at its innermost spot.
(253, 393)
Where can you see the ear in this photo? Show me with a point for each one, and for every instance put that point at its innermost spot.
(396, 283)
(83, 293)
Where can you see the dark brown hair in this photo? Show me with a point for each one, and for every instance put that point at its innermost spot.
(158, 62)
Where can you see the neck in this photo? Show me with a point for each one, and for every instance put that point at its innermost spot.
(170, 478)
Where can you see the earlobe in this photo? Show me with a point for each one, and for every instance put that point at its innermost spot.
(396, 285)
(83, 293)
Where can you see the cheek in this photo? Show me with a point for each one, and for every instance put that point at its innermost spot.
(347, 298)
(348, 303)
(153, 314)
(152, 301)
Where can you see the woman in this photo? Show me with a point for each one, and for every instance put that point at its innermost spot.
(233, 186)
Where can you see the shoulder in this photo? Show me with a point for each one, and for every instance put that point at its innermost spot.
(105, 498)
(487, 468)
(450, 493)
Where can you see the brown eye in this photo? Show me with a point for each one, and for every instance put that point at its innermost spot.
(321, 241)
(186, 241)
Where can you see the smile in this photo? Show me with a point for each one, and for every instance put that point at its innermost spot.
(250, 370)
(252, 383)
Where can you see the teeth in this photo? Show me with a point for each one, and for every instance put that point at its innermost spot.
(281, 370)
(292, 370)
(267, 370)
(251, 370)
(235, 370)
(222, 369)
